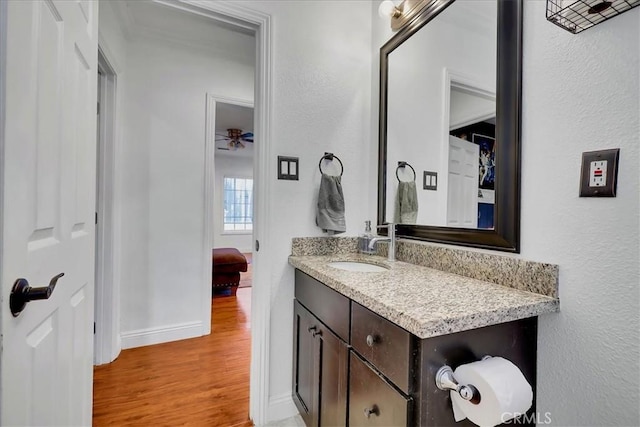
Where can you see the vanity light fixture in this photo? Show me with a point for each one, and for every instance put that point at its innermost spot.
(576, 16)
(401, 12)
(389, 9)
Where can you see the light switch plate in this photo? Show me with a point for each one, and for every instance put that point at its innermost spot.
(599, 175)
(288, 168)
(430, 180)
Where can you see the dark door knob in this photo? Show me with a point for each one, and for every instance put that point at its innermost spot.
(22, 293)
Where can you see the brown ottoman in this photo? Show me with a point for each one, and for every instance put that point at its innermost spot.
(227, 265)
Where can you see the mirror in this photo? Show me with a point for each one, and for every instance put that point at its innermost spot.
(450, 124)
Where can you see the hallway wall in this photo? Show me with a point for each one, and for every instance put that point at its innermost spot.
(164, 171)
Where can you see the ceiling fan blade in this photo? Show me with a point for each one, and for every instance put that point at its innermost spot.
(247, 135)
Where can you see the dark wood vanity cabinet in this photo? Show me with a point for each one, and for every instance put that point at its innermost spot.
(320, 356)
(355, 368)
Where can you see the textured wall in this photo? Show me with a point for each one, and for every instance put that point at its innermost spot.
(580, 93)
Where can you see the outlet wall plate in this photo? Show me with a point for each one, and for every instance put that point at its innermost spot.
(599, 174)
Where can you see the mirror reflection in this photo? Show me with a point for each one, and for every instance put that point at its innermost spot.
(441, 110)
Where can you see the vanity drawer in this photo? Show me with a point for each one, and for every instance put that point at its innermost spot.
(385, 345)
(373, 401)
(329, 306)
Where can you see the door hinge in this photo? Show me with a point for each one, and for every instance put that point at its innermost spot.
(96, 218)
(98, 108)
(257, 245)
(94, 328)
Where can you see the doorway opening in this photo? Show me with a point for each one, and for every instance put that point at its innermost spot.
(230, 142)
(259, 24)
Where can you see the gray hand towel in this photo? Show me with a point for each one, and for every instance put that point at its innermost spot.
(330, 213)
(406, 206)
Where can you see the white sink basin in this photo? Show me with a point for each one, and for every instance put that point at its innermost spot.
(357, 266)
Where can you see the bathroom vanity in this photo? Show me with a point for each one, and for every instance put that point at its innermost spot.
(367, 346)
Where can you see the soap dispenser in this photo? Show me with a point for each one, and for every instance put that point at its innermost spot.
(365, 239)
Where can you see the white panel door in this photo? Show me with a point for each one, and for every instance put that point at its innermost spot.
(47, 213)
(462, 189)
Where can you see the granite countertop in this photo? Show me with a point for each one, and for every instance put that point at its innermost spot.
(425, 301)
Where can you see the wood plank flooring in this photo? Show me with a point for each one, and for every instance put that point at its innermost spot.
(198, 382)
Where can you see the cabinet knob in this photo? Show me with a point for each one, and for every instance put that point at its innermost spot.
(314, 331)
(371, 411)
(371, 340)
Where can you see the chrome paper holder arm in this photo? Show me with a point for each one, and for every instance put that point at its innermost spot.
(446, 381)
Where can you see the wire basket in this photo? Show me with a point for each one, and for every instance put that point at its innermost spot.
(576, 16)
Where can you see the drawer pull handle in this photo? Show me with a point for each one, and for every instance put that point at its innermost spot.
(371, 411)
(371, 340)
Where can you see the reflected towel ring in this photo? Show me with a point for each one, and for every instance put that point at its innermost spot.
(402, 165)
(331, 157)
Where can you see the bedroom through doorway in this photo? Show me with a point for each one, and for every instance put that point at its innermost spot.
(232, 194)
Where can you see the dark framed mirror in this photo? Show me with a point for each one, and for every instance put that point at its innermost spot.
(450, 107)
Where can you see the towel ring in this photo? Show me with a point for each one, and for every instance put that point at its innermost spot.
(331, 157)
(402, 165)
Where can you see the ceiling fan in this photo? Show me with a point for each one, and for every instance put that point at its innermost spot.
(235, 139)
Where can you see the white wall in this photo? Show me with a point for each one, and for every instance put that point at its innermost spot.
(162, 166)
(581, 93)
(234, 167)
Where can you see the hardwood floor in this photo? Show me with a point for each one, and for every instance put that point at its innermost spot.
(198, 382)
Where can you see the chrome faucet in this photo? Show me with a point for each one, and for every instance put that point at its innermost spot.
(391, 238)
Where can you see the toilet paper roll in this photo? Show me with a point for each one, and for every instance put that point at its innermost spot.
(504, 392)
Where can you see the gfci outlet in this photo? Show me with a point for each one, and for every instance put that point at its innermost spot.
(599, 175)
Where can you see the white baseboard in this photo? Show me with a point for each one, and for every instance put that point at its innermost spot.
(281, 407)
(150, 336)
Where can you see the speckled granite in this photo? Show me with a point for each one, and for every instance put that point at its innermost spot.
(425, 301)
(515, 273)
(508, 271)
(303, 246)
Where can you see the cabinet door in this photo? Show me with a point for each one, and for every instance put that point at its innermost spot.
(320, 371)
(306, 365)
(334, 370)
(372, 400)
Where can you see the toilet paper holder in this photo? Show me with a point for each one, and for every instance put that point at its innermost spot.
(445, 380)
